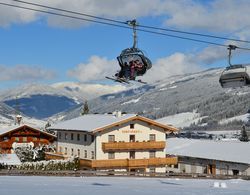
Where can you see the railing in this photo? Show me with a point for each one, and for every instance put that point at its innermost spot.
(125, 146)
(118, 163)
(126, 163)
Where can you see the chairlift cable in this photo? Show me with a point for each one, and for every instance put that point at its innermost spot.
(117, 25)
(63, 15)
(72, 12)
(138, 25)
(196, 34)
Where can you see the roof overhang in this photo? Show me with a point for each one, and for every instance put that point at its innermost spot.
(166, 128)
(23, 126)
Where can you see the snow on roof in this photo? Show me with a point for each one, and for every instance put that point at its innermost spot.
(9, 159)
(6, 129)
(231, 151)
(90, 122)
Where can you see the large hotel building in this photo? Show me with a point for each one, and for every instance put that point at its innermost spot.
(115, 142)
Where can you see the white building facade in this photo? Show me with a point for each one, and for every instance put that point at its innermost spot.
(117, 142)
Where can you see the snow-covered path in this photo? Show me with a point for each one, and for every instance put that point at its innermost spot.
(22, 185)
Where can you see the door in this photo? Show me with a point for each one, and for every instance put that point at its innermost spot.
(132, 138)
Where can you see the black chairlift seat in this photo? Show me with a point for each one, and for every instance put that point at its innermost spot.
(234, 76)
(134, 54)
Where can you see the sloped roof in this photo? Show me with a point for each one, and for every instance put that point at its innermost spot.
(7, 129)
(231, 151)
(9, 159)
(99, 122)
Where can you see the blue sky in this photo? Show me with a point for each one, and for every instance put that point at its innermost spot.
(48, 49)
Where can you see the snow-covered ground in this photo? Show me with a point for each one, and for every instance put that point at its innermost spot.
(118, 186)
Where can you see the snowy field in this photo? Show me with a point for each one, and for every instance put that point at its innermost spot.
(10, 185)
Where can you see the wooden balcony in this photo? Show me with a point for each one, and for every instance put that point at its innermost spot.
(128, 163)
(126, 146)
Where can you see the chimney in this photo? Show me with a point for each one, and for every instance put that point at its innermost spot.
(117, 114)
(19, 119)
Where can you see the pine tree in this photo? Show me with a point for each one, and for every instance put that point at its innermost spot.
(85, 109)
(244, 136)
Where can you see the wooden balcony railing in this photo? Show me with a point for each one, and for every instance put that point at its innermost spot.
(125, 146)
(126, 163)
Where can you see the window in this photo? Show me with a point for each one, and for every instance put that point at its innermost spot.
(85, 154)
(59, 135)
(5, 138)
(60, 149)
(132, 155)
(151, 154)
(24, 139)
(111, 155)
(152, 170)
(72, 136)
(92, 155)
(176, 166)
(85, 137)
(17, 139)
(66, 151)
(152, 137)
(78, 152)
(132, 126)
(111, 138)
(92, 138)
(66, 136)
(132, 138)
(78, 137)
(72, 151)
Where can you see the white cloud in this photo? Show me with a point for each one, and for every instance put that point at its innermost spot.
(125, 9)
(24, 73)
(96, 69)
(210, 55)
(9, 15)
(228, 16)
(175, 64)
(217, 15)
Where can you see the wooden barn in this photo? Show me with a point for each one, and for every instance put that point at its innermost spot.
(21, 135)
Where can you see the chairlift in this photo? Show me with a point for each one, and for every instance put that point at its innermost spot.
(132, 61)
(234, 75)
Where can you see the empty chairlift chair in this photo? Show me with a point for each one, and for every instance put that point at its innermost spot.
(234, 75)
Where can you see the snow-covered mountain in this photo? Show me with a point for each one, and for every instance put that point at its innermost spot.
(83, 91)
(8, 114)
(43, 101)
(39, 101)
(198, 93)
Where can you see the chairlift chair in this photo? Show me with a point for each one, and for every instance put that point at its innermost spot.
(132, 59)
(234, 75)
